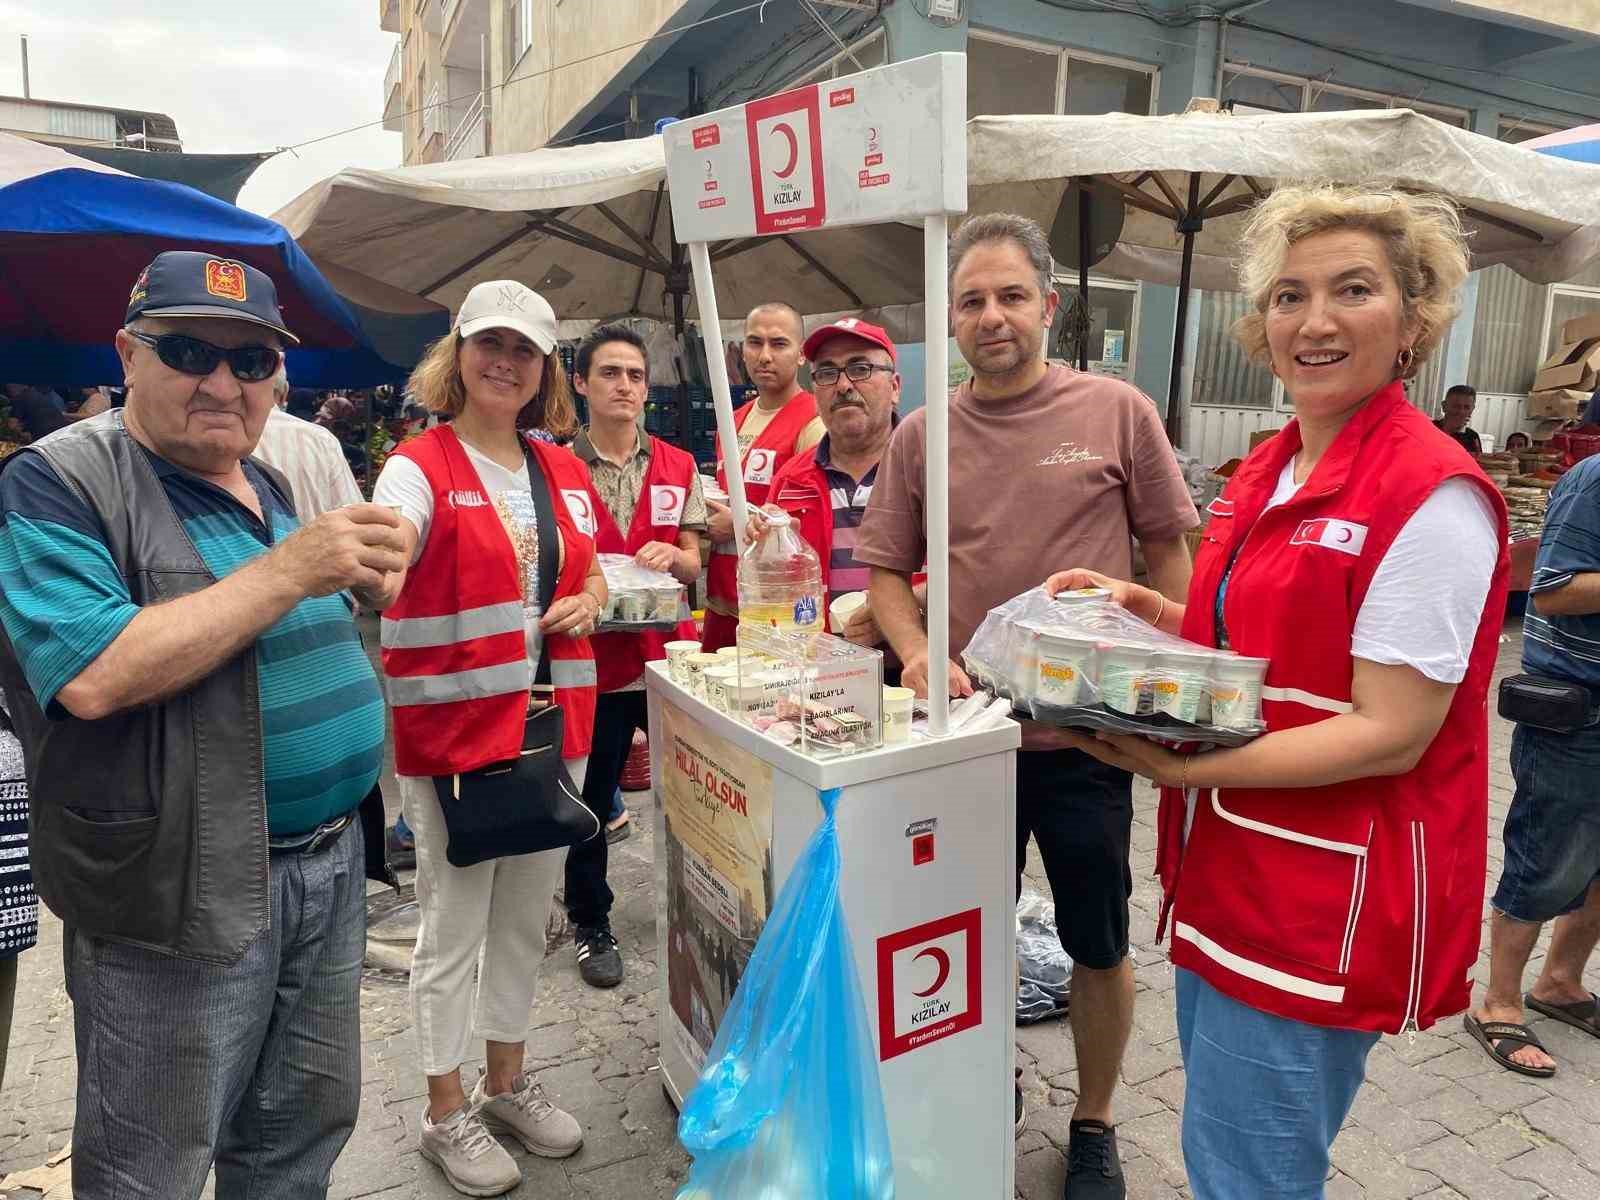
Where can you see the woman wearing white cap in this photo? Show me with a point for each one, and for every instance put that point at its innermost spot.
(462, 630)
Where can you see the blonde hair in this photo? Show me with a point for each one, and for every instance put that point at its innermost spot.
(1421, 234)
(436, 384)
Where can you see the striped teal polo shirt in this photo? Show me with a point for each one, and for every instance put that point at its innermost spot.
(63, 601)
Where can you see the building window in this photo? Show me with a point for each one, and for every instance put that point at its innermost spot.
(1113, 313)
(1007, 76)
(1095, 87)
(1248, 89)
(1517, 130)
(519, 31)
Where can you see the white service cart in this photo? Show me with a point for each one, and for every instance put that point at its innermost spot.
(926, 827)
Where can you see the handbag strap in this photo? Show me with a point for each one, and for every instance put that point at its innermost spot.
(549, 534)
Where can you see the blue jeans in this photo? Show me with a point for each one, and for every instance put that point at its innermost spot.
(254, 1065)
(1264, 1096)
(1552, 831)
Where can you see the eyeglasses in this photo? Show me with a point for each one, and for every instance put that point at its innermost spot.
(856, 372)
(191, 356)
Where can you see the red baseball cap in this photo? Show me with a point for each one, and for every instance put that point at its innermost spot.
(849, 327)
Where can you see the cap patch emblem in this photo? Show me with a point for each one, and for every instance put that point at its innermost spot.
(141, 288)
(225, 280)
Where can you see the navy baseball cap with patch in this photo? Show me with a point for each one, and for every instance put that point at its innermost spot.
(188, 283)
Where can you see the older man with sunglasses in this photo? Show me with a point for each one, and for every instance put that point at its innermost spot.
(201, 725)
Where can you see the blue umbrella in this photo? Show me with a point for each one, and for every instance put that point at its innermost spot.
(73, 238)
(1580, 145)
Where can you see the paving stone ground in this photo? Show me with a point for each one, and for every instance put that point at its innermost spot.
(1436, 1119)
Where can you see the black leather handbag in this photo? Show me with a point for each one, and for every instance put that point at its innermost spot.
(528, 803)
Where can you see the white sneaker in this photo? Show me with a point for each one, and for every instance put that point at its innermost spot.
(526, 1115)
(473, 1162)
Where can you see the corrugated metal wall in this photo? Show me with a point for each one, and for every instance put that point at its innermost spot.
(62, 122)
(1223, 375)
(1506, 337)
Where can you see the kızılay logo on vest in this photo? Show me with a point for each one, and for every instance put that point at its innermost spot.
(460, 499)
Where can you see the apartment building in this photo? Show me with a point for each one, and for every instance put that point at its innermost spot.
(472, 77)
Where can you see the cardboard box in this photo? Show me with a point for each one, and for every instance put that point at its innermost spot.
(1575, 365)
(1560, 405)
(1581, 329)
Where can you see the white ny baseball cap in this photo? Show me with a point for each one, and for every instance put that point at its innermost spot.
(507, 304)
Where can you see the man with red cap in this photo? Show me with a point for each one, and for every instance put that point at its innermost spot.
(857, 386)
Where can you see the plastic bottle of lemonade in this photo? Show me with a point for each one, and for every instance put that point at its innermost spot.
(780, 580)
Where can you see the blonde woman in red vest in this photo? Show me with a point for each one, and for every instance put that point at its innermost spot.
(779, 423)
(1324, 883)
(462, 631)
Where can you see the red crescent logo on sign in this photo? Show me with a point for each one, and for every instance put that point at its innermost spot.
(794, 150)
(942, 962)
(1345, 535)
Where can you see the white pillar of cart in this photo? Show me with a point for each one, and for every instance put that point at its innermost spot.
(885, 145)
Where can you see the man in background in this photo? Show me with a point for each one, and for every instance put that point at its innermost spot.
(1459, 403)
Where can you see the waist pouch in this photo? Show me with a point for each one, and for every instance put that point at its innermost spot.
(1555, 704)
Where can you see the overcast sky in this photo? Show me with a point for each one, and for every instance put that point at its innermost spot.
(236, 76)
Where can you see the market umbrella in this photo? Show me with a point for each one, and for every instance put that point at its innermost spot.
(589, 227)
(75, 234)
(1188, 181)
(1580, 145)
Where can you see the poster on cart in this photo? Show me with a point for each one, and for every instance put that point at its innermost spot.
(717, 802)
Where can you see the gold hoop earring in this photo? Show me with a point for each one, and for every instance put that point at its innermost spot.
(1404, 360)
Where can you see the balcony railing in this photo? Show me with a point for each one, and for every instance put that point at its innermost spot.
(393, 106)
(433, 114)
(466, 139)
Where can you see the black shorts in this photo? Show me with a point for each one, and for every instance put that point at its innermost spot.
(1080, 811)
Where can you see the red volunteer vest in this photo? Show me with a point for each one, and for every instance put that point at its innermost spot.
(620, 657)
(454, 654)
(773, 447)
(1356, 905)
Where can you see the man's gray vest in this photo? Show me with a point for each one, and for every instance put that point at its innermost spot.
(148, 826)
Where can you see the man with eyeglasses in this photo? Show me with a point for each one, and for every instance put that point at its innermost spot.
(648, 504)
(201, 726)
(853, 371)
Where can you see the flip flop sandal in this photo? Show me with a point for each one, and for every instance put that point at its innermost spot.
(1584, 1015)
(1491, 1035)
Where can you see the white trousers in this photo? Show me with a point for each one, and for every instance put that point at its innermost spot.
(489, 917)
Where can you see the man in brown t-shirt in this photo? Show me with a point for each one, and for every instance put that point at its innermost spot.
(1047, 467)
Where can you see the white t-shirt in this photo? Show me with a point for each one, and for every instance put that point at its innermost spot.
(403, 484)
(310, 458)
(1426, 598)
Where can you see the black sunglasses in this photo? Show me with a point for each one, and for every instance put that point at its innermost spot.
(191, 356)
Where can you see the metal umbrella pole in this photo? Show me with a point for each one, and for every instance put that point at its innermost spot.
(1084, 250)
(1189, 225)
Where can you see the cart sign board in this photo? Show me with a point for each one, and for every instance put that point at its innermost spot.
(884, 145)
(929, 983)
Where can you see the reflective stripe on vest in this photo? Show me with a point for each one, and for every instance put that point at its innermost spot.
(477, 684)
(415, 633)
(572, 672)
(483, 682)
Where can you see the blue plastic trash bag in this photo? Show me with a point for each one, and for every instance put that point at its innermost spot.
(789, 1105)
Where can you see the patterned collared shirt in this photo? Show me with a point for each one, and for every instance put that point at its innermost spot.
(849, 498)
(619, 486)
